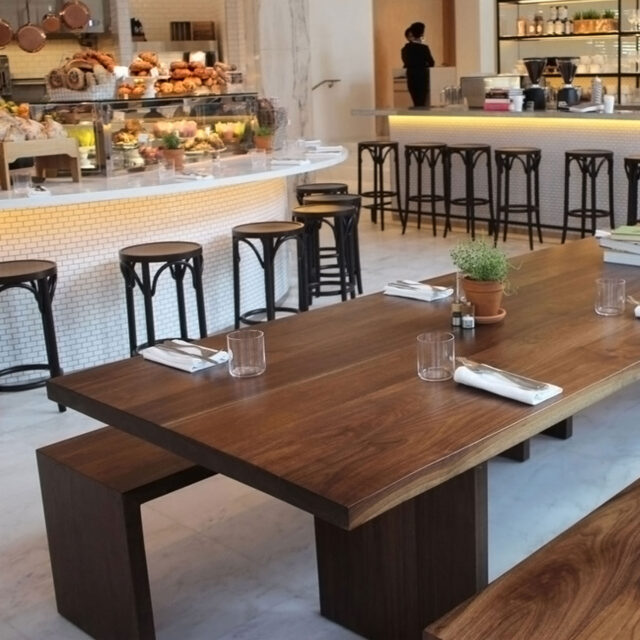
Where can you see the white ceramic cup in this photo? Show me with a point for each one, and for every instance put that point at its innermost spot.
(517, 102)
(609, 102)
(436, 356)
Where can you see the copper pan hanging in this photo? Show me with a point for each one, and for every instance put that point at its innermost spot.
(51, 22)
(6, 33)
(75, 15)
(30, 37)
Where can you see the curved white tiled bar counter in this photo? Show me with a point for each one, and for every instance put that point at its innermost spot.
(82, 227)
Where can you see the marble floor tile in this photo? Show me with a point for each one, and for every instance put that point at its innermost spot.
(227, 562)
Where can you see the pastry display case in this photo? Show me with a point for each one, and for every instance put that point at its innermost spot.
(130, 135)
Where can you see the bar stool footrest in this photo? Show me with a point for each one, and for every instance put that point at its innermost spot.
(27, 384)
(246, 316)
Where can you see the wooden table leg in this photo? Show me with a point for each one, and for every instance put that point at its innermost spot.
(563, 430)
(519, 453)
(397, 573)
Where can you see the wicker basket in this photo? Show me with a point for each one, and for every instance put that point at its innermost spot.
(106, 91)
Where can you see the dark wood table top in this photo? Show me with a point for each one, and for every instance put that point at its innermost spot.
(341, 426)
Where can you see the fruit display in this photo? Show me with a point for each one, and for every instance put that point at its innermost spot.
(84, 70)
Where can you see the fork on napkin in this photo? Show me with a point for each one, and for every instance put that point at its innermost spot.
(505, 383)
(184, 355)
(417, 290)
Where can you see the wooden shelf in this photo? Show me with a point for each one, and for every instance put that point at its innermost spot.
(600, 34)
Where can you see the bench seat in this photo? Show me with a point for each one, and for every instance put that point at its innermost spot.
(92, 488)
(583, 585)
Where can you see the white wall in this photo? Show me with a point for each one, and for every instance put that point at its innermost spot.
(341, 42)
(475, 37)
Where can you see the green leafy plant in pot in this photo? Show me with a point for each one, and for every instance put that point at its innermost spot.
(172, 150)
(263, 138)
(485, 269)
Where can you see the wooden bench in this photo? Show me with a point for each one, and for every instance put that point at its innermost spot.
(583, 585)
(92, 488)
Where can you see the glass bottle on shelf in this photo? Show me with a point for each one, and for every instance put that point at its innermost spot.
(563, 12)
(521, 26)
(568, 27)
(554, 14)
(539, 23)
(550, 30)
(558, 27)
(531, 26)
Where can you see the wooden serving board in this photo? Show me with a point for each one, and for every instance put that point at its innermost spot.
(65, 151)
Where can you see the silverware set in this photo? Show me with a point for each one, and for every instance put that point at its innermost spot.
(514, 378)
(191, 350)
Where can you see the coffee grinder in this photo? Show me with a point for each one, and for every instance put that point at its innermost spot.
(568, 95)
(535, 93)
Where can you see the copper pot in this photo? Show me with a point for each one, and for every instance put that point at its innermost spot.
(6, 33)
(30, 37)
(51, 21)
(75, 14)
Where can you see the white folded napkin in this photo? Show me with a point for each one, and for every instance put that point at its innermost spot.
(416, 290)
(184, 361)
(495, 383)
(40, 192)
(288, 162)
(327, 149)
(312, 143)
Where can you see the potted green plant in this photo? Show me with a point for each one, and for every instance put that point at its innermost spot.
(485, 269)
(263, 138)
(608, 22)
(173, 150)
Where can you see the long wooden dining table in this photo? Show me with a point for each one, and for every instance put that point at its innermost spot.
(392, 468)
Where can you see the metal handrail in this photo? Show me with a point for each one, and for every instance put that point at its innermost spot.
(329, 81)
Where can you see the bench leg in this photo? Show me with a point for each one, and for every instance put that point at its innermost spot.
(97, 554)
(563, 430)
(394, 574)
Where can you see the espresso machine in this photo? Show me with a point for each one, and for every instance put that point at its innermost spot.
(535, 93)
(568, 95)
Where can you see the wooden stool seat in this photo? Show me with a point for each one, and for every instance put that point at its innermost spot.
(320, 188)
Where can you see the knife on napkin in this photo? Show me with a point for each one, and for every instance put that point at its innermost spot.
(504, 383)
(184, 355)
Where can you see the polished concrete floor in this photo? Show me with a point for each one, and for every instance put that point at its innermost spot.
(227, 562)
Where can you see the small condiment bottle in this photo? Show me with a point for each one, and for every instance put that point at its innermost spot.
(456, 314)
(468, 317)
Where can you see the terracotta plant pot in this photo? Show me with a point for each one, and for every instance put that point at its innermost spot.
(263, 142)
(176, 156)
(485, 296)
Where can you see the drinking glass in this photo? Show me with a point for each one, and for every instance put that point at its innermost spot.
(21, 182)
(436, 356)
(246, 353)
(610, 296)
(258, 159)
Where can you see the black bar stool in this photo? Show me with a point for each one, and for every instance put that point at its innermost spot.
(272, 235)
(330, 252)
(382, 198)
(431, 153)
(470, 154)
(320, 188)
(38, 277)
(589, 161)
(529, 158)
(632, 169)
(342, 218)
(178, 257)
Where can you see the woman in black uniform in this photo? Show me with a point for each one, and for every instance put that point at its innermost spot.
(417, 58)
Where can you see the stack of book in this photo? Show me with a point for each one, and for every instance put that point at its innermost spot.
(622, 245)
(499, 99)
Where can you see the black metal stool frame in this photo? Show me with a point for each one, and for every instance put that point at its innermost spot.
(530, 162)
(266, 260)
(590, 166)
(431, 153)
(43, 290)
(632, 169)
(351, 234)
(470, 158)
(148, 285)
(379, 151)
